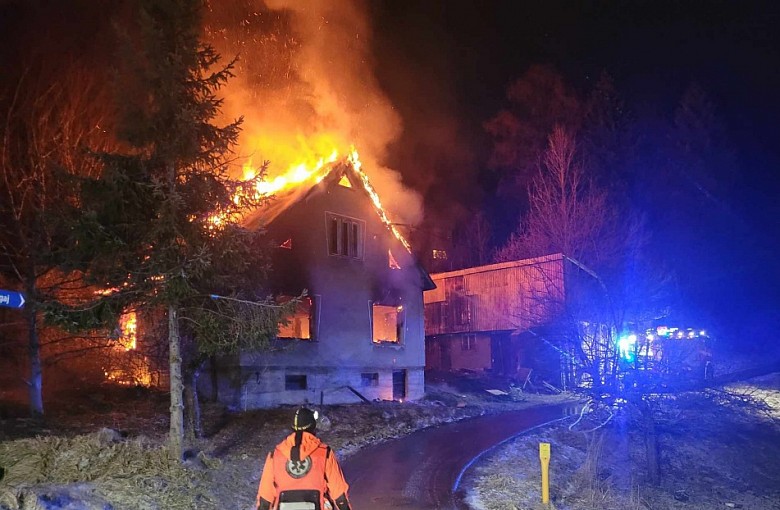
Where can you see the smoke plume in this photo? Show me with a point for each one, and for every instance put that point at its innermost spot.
(305, 84)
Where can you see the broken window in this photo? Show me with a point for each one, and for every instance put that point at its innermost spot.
(345, 236)
(299, 324)
(387, 322)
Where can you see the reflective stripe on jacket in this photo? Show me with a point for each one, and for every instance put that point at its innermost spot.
(281, 474)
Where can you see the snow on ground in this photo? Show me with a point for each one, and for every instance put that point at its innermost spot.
(717, 450)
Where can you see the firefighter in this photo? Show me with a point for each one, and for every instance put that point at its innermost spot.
(302, 472)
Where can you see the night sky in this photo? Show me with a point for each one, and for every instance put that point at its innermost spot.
(446, 65)
(451, 62)
(454, 60)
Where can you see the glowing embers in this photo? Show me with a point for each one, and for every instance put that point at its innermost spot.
(298, 326)
(131, 370)
(388, 322)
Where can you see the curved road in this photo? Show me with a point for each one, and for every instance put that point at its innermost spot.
(420, 470)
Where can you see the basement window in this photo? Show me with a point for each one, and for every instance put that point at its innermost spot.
(388, 321)
(369, 379)
(345, 236)
(298, 326)
(294, 382)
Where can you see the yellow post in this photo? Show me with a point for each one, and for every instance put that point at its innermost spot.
(544, 456)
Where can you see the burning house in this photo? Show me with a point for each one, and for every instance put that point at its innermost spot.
(489, 318)
(358, 333)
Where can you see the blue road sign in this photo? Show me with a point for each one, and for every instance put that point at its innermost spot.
(11, 299)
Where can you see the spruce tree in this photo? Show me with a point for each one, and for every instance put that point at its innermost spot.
(160, 227)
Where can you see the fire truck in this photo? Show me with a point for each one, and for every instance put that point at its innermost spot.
(669, 351)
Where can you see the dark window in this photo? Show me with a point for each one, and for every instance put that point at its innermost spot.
(369, 379)
(468, 342)
(294, 382)
(333, 236)
(345, 237)
(353, 240)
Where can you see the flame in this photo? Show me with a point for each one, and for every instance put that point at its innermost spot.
(128, 325)
(354, 160)
(312, 171)
(296, 174)
(128, 366)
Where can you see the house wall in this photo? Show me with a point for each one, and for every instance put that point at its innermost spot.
(343, 290)
(496, 303)
(499, 297)
(449, 352)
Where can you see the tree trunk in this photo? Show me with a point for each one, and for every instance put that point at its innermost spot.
(192, 402)
(651, 443)
(214, 379)
(36, 370)
(176, 436)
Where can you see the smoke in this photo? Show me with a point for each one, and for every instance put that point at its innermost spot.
(305, 84)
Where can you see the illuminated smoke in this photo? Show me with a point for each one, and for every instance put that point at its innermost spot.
(305, 86)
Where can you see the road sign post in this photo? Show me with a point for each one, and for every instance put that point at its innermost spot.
(11, 299)
(544, 456)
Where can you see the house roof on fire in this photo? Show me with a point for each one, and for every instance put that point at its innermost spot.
(329, 174)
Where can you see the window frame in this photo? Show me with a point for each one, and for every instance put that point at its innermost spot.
(344, 236)
(313, 303)
(400, 322)
(369, 379)
(292, 382)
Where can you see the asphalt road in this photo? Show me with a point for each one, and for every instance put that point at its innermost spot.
(419, 471)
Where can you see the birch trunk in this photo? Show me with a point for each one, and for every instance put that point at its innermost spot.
(176, 437)
(36, 368)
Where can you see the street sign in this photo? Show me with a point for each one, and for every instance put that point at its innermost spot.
(11, 299)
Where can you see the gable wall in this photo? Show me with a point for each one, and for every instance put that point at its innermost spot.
(343, 290)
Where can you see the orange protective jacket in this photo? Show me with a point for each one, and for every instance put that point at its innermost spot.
(324, 475)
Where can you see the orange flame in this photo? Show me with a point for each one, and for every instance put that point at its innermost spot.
(354, 160)
(302, 172)
(128, 326)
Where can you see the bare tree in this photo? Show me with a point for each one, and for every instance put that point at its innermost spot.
(47, 128)
(472, 241)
